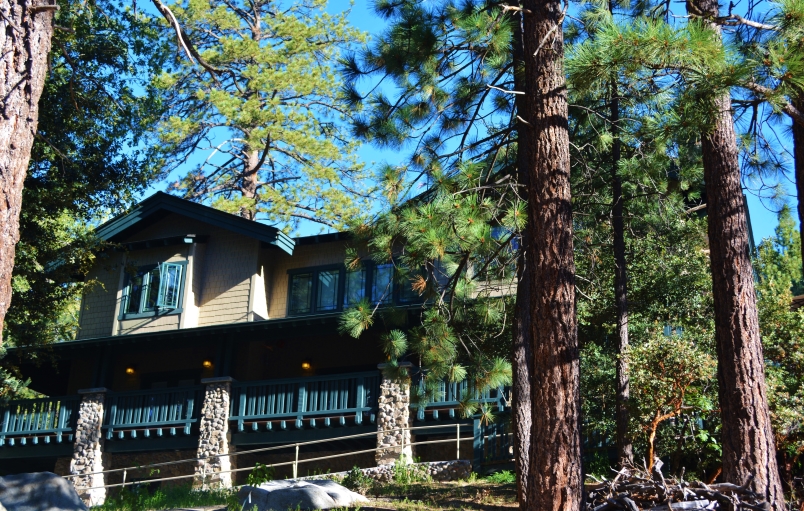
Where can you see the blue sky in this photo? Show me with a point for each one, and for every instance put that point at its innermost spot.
(763, 212)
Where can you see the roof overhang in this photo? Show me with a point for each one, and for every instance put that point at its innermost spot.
(160, 204)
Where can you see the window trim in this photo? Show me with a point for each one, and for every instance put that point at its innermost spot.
(157, 310)
(369, 266)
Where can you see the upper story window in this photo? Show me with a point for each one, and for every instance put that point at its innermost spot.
(153, 289)
(316, 290)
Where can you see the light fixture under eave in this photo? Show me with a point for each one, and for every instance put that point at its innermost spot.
(306, 365)
(207, 364)
(130, 370)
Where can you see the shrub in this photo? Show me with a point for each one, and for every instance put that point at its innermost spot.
(504, 477)
(357, 481)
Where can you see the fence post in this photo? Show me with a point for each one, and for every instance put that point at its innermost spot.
(393, 413)
(88, 448)
(213, 435)
(296, 463)
(458, 440)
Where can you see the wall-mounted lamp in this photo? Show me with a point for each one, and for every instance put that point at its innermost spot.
(207, 364)
(306, 365)
(130, 370)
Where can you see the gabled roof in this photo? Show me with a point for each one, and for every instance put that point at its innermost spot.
(158, 205)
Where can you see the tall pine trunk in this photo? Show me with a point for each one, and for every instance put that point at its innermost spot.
(522, 356)
(747, 439)
(26, 28)
(798, 161)
(554, 477)
(625, 451)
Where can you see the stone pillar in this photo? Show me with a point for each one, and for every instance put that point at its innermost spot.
(214, 436)
(394, 413)
(88, 448)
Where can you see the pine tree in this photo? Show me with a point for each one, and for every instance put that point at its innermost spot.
(259, 97)
(453, 74)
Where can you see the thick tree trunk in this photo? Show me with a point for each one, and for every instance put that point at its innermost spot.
(554, 477)
(624, 449)
(522, 356)
(522, 380)
(747, 439)
(798, 161)
(25, 31)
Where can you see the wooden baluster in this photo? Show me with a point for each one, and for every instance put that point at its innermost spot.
(302, 404)
(242, 408)
(361, 400)
(5, 429)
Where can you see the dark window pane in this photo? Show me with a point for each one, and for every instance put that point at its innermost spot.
(327, 290)
(134, 295)
(355, 286)
(301, 290)
(152, 289)
(381, 287)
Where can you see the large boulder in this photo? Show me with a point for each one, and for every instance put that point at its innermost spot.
(304, 495)
(39, 491)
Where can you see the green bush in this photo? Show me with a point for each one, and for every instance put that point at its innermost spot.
(358, 482)
(504, 477)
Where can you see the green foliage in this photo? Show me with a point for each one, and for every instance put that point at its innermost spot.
(260, 474)
(503, 477)
(267, 112)
(406, 473)
(139, 498)
(358, 482)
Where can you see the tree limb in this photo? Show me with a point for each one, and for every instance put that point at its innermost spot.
(184, 40)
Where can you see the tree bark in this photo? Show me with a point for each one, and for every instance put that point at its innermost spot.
(624, 448)
(522, 356)
(26, 28)
(747, 439)
(554, 477)
(249, 184)
(798, 162)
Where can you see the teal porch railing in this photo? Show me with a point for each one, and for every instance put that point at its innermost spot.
(447, 398)
(320, 398)
(47, 419)
(155, 410)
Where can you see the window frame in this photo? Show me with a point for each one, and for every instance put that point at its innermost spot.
(369, 266)
(157, 310)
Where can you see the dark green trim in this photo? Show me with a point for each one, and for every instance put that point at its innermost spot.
(187, 239)
(164, 443)
(299, 435)
(156, 312)
(115, 229)
(313, 322)
(40, 450)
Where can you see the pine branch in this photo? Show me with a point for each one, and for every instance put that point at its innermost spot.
(794, 113)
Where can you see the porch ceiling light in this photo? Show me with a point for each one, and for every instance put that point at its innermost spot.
(306, 365)
(207, 364)
(130, 370)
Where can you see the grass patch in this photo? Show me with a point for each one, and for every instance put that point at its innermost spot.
(504, 477)
(139, 498)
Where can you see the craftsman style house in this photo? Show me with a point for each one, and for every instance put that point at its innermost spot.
(194, 314)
